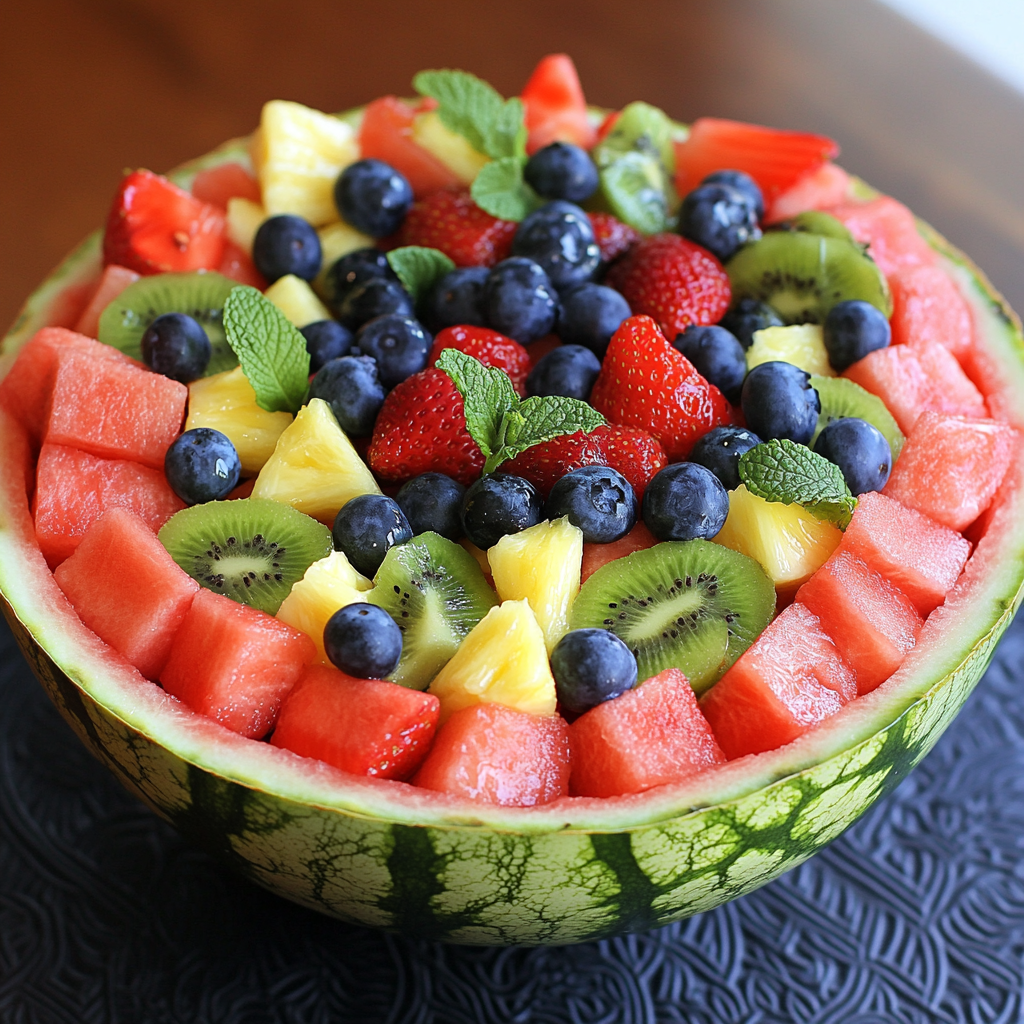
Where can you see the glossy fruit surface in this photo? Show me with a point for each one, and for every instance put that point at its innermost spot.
(598, 500)
(449, 220)
(373, 197)
(202, 465)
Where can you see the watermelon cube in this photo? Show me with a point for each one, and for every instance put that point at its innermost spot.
(235, 664)
(554, 107)
(216, 185)
(651, 735)
(497, 755)
(872, 623)
(951, 467)
(127, 589)
(114, 281)
(791, 678)
(74, 488)
(362, 726)
(113, 410)
(595, 555)
(827, 185)
(889, 230)
(927, 306)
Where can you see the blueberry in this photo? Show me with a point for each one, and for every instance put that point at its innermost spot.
(590, 314)
(356, 268)
(746, 317)
(351, 387)
(717, 355)
(597, 499)
(373, 197)
(363, 641)
(720, 218)
(685, 501)
(562, 171)
(560, 238)
(399, 345)
(367, 527)
(591, 666)
(744, 183)
(202, 465)
(325, 340)
(176, 346)
(778, 401)
(370, 299)
(569, 370)
(433, 501)
(720, 449)
(496, 505)
(458, 298)
(519, 300)
(860, 450)
(287, 244)
(852, 329)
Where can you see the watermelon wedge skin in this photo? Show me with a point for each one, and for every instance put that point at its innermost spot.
(384, 854)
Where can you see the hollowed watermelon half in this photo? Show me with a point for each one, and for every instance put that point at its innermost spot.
(385, 854)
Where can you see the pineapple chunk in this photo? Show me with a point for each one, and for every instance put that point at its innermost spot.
(787, 540)
(801, 344)
(328, 585)
(298, 154)
(450, 148)
(227, 402)
(314, 467)
(480, 555)
(243, 221)
(542, 566)
(503, 661)
(296, 300)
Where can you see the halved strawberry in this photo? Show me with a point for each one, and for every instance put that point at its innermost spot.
(155, 227)
(556, 110)
(490, 347)
(612, 236)
(449, 220)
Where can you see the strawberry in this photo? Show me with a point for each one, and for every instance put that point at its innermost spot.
(155, 227)
(449, 220)
(634, 453)
(673, 280)
(644, 382)
(612, 236)
(421, 428)
(490, 347)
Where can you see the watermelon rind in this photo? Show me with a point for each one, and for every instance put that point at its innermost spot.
(387, 855)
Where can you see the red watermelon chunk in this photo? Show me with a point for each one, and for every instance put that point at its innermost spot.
(216, 185)
(651, 735)
(872, 623)
(789, 680)
(496, 755)
(235, 664)
(889, 230)
(362, 726)
(114, 281)
(596, 555)
(74, 488)
(927, 306)
(951, 467)
(113, 410)
(127, 589)
(825, 186)
(555, 108)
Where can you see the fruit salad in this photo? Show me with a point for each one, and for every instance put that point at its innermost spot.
(510, 449)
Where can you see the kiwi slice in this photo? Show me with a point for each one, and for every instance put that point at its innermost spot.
(435, 591)
(641, 128)
(250, 549)
(817, 222)
(692, 605)
(841, 397)
(802, 276)
(200, 294)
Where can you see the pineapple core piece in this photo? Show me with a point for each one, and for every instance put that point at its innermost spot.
(802, 345)
(503, 660)
(296, 300)
(449, 147)
(314, 467)
(542, 566)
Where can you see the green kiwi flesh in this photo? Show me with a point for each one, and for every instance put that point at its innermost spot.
(435, 591)
(841, 397)
(692, 605)
(817, 222)
(251, 549)
(200, 294)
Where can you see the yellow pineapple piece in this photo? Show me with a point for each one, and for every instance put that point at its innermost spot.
(298, 154)
(541, 565)
(800, 344)
(503, 660)
(296, 300)
(243, 221)
(314, 467)
(787, 540)
(449, 147)
(328, 585)
(227, 402)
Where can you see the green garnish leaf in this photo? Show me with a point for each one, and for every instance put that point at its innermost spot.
(269, 347)
(419, 268)
(790, 473)
(500, 189)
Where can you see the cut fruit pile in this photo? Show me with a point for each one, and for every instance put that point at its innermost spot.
(527, 395)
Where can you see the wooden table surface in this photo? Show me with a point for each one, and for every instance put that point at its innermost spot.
(90, 87)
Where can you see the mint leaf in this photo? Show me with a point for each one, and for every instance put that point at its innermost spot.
(550, 417)
(781, 470)
(419, 268)
(269, 347)
(500, 189)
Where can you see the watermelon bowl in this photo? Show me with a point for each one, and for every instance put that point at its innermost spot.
(387, 855)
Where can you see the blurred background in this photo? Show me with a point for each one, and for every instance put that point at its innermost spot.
(91, 87)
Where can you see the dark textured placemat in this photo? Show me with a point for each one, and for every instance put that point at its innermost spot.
(916, 914)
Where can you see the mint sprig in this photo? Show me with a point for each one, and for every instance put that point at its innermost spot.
(501, 424)
(419, 268)
(270, 348)
(790, 473)
(501, 190)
